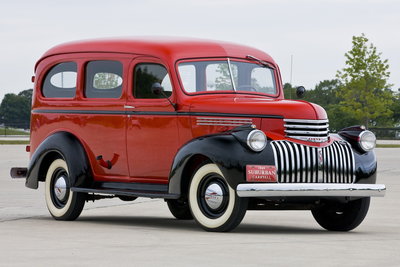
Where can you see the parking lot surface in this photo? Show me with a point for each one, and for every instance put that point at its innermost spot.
(144, 233)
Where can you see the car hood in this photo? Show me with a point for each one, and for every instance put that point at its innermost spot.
(259, 106)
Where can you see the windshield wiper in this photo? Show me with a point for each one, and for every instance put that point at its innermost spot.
(262, 62)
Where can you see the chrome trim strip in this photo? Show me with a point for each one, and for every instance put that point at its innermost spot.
(305, 121)
(337, 163)
(310, 190)
(282, 157)
(303, 164)
(286, 154)
(297, 126)
(343, 164)
(309, 163)
(298, 166)
(307, 132)
(221, 118)
(231, 74)
(314, 139)
(222, 124)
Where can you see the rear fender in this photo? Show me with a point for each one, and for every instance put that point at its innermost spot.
(60, 145)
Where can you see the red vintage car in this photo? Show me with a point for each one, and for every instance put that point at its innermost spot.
(201, 124)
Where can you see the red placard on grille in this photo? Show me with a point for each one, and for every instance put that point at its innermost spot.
(261, 173)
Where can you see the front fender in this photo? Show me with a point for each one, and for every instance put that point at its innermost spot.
(365, 163)
(59, 145)
(226, 150)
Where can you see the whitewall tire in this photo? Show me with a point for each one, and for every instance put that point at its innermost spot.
(62, 203)
(213, 203)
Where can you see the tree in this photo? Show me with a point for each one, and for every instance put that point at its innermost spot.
(396, 109)
(365, 91)
(15, 109)
(324, 93)
(289, 91)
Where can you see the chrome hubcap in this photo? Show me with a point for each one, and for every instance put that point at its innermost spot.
(214, 196)
(60, 188)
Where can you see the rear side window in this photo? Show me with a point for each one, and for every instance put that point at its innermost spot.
(60, 81)
(103, 79)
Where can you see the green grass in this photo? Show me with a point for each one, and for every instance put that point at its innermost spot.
(387, 146)
(14, 142)
(10, 131)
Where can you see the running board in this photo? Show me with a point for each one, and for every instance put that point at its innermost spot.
(126, 192)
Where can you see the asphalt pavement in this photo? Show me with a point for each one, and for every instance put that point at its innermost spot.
(144, 233)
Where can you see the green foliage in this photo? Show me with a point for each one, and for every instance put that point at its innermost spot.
(364, 92)
(325, 95)
(395, 108)
(289, 91)
(11, 131)
(223, 80)
(106, 80)
(15, 109)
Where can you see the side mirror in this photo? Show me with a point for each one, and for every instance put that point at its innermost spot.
(157, 89)
(300, 91)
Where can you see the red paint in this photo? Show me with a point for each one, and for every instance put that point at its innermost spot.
(261, 173)
(146, 144)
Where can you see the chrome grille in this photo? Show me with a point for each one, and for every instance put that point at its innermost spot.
(298, 163)
(307, 130)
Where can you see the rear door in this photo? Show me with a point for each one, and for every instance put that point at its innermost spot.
(101, 119)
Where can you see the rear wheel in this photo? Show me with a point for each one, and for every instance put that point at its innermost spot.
(62, 203)
(336, 216)
(213, 203)
(180, 209)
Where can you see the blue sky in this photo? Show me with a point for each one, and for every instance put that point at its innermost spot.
(316, 32)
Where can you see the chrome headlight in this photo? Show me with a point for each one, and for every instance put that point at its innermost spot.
(257, 140)
(367, 140)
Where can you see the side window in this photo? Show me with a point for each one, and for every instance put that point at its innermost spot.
(60, 81)
(148, 79)
(103, 79)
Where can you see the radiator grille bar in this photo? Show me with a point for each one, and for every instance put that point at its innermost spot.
(298, 163)
(307, 130)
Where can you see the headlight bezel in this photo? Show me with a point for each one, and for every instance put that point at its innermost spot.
(363, 141)
(251, 141)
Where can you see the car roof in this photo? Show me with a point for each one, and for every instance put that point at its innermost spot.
(167, 48)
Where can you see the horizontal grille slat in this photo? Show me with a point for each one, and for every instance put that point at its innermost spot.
(297, 163)
(307, 130)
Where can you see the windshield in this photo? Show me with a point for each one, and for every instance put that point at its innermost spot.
(226, 75)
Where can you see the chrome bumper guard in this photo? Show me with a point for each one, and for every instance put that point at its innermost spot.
(310, 190)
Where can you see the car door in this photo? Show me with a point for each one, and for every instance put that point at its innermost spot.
(152, 133)
(100, 119)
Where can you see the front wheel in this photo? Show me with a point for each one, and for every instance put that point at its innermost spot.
(62, 203)
(334, 216)
(213, 203)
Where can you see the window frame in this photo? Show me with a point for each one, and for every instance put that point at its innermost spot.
(47, 71)
(188, 60)
(141, 59)
(84, 79)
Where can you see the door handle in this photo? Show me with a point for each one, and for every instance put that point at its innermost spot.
(127, 106)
